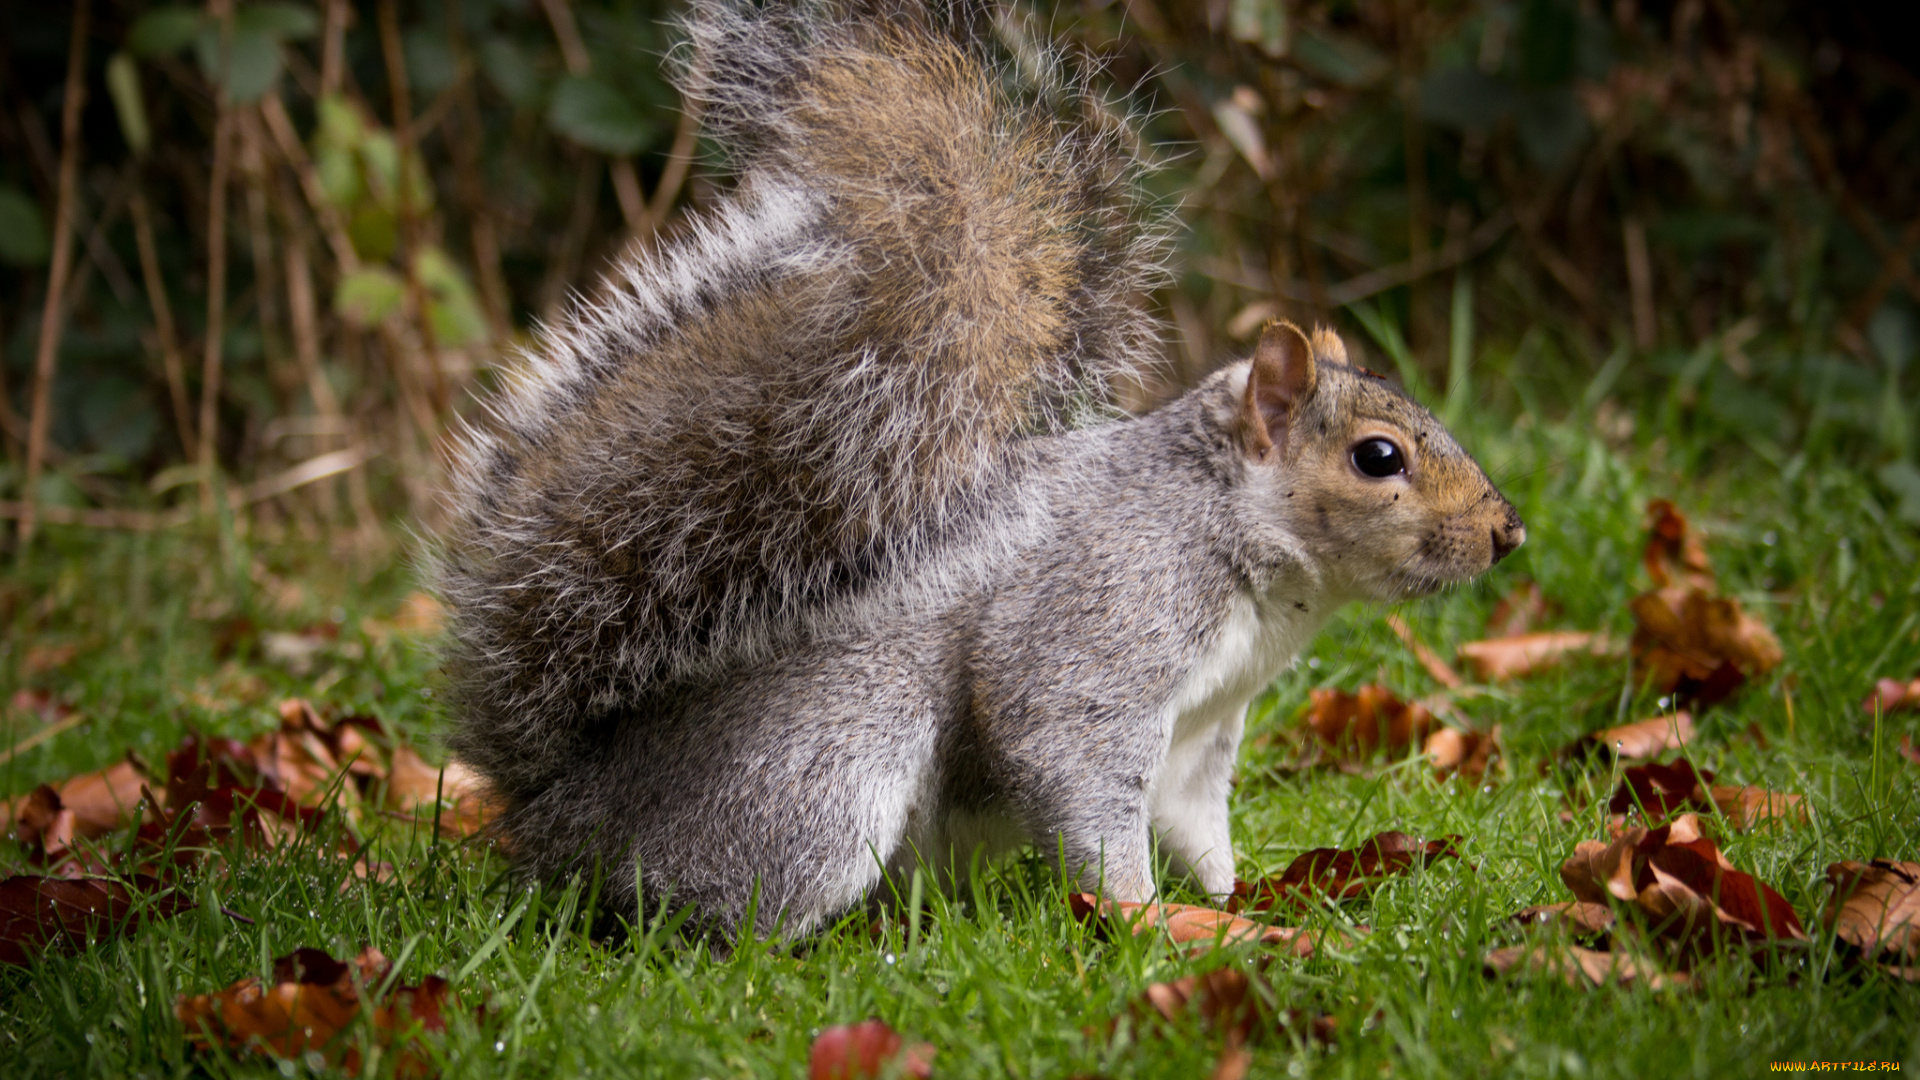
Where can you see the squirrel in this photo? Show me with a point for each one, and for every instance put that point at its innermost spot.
(809, 553)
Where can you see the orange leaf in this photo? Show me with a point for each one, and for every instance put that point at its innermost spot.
(1875, 908)
(1187, 923)
(309, 1001)
(1645, 738)
(1356, 725)
(1579, 916)
(1468, 753)
(1581, 968)
(1496, 659)
(1891, 694)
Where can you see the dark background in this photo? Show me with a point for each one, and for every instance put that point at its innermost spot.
(1695, 213)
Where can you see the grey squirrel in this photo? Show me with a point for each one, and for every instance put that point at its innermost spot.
(802, 556)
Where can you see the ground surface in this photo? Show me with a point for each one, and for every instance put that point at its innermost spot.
(1003, 981)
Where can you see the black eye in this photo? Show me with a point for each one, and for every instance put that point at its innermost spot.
(1378, 457)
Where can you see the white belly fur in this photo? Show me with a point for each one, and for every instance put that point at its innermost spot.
(1257, 640)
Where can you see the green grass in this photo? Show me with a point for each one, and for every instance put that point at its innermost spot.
(1001, 979)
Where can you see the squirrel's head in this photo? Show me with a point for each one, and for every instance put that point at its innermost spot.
(1369, 482)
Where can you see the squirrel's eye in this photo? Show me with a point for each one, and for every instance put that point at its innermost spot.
(1379, 458)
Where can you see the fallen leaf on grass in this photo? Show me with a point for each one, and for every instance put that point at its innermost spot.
(310, 1001)
(1688, 891)
(1660, 790)
(1188, 923)
(1643, 738)
(1875, 908)
(419, 615)
(39, 913)
(868, 1049)
(1354, 726)
(1441, 671)
(1908, 750)
(1498, 659)
(1469, 753)
(1230, 1003)
(1340, 873)
(413, 785)
(40, 704)
(1689, 641)
(1581, 917)
(1581, 968)
(1890, 695)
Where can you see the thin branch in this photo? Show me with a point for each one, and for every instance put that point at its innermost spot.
(50, 317)
(170, 357)
(216, 258)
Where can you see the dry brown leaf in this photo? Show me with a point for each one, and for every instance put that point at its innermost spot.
(1340, 873)
(1908, 750)
(38, 914)
(1659, 790)
(1674, 554)
(1875, 907)
(413, 785)
(310, 1001)
(1354, 726)
(419, 615)
(1497, 659)
(1581, 968)
(99, 802)
(1688, 640)
(1188, 923)
(1890, 695)
(1229, 1003)
(1581, 917)
(1469, 753)
(1643, 738)
(1689, 892)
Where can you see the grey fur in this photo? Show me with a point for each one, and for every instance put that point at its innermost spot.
(777, 580)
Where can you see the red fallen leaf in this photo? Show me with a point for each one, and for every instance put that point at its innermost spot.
(1188, 923)
(1358, 724)
(1519, 612)
(1908, 750)
(1875, 907)
(1497, 659)
(1643, 738)
(42, 913)
(1688, 890)
(867, 1049)
(1229, 1003)
(1890, 695)
(1660, 790)
(1581, 968)
(1339, 873)
(310, 1000)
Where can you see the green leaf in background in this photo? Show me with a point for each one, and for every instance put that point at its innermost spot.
(430, 63)
(368, 295)
(510, 71)
(280, 21)
(1339, 58)
(1465, 99)
(23, 233)
(599, 117)
(164, 31)
(123, 84)
(1260, 22)
(253, 65)
(452, 307)
(1903, 480)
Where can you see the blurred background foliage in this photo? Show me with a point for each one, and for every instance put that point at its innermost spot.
(255, 257)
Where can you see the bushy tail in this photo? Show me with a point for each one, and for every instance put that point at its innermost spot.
(819, 380)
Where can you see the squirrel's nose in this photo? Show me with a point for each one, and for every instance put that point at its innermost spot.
(1506, 538)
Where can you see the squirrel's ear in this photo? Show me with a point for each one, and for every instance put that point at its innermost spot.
(1282, 378)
